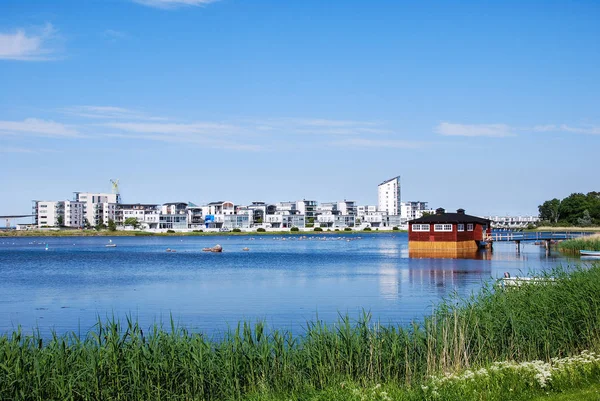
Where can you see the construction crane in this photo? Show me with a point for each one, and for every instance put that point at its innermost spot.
(115, 186)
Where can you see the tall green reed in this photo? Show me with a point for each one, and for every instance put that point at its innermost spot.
(119, 360)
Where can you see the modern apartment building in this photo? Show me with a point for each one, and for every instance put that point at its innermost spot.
(389, 196)
(95, 204)
(414, 210)
(58, 213)
(307, 207)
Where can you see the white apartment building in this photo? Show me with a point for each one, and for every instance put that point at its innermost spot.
(58, 213)
(389, 197)
(307, 207)
(411, 210)
(363, 210)
(147, 215)
(336, 220)
(220, 207)
(286, 208)
(286, 220)
(347, 208)
(94, 203)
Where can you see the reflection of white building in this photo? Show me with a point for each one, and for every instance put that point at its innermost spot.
(389, 196)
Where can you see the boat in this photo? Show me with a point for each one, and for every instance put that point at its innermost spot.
(584, 252)
(508, 281)
(110, 244)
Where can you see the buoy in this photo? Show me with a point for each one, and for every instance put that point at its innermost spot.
(245, 249)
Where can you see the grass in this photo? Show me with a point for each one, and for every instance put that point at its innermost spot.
(356, 359)
(573, 246)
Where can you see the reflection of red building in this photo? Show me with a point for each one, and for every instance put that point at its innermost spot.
(447, 232)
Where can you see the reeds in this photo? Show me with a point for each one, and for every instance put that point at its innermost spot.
(119, 360)
(573, 246)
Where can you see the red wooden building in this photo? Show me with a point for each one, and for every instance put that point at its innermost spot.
(448, 232)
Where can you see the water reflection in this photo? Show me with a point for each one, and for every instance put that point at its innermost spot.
(482, 254)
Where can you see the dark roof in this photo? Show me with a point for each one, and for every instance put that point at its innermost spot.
(175, 203)
(450, 218)
(216, 203)
(391, 179)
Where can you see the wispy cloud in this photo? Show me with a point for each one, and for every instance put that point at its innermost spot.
(37, 127)
(173, 3)
(322, 126)
(108, 112)
(21, 45)
(505, 130)
(114, 35)
(175, 128)
(474, 130)
(381, 143)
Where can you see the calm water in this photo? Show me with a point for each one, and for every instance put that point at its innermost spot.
(285, 282)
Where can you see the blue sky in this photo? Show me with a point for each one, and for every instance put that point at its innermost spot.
(489, 106)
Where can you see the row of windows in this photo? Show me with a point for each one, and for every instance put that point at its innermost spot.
(440, 227)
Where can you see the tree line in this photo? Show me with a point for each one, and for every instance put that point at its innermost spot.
(577, 209)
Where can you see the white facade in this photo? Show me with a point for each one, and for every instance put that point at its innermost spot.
(414, 209)
(286, 208)
(512, 221)
(307, 207)
(286, 220)
(363, 210)
(73, 214)
(336, 220)
(389, 197)
(347, 207)
(232, 221)
(58, 213)
(93, 208)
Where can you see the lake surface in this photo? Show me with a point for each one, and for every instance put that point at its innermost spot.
(285, 281)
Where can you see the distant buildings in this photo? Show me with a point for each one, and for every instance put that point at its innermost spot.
(89, 209)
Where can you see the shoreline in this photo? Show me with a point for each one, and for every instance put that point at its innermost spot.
(106, 233)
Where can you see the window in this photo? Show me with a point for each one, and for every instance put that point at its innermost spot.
(470, 227)
(460, 227)
(420, 227)
(442, 227)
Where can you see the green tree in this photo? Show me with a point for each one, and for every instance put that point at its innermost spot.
(112, 226)
(132, 221)
(585, 220)
(60, 221)
(550, 210)
(572, 207)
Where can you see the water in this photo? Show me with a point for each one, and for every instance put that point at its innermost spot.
(285, 281)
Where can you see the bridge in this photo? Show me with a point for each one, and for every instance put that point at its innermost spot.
(537, 236)
(14, 216)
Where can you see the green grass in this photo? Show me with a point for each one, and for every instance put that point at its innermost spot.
(573, 246)
(589, 393)
(120, 360)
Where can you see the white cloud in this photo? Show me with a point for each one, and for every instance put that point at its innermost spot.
(175, 128)
(381, 143)
(173, 3)
(473, 130)
(114, 35)
(593, 130)
(29, 47)
(322, 126)
(37, 127)
(108, 112)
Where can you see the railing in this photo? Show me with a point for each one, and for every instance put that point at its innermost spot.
(535, 236)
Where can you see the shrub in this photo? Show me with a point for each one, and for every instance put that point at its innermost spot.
(309, 225)
(367, 229)
(347, 229)
(337, 229)
(170, 231)
(197, 231)
(395, 228)
(260, 230)
(236, 230)
(318, 229)
(294, 229)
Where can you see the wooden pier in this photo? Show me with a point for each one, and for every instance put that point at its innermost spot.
(537, 236)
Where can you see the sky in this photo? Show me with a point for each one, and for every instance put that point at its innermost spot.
(492, 106)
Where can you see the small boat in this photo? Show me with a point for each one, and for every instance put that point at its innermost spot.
(110, 244)
(583, 252)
